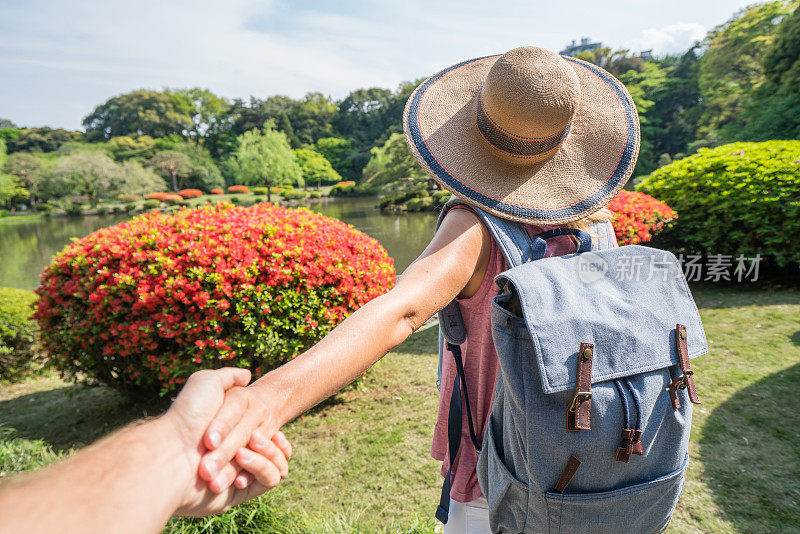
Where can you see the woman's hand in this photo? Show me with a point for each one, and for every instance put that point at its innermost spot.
(204, 397)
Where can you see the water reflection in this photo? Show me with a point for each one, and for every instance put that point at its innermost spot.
(26, 248)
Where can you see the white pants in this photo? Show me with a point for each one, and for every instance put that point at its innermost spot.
(470, 518)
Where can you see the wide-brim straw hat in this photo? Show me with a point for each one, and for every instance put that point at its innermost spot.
(528, 135)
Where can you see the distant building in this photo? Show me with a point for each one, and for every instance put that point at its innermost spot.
(576, 48)
(646, 55)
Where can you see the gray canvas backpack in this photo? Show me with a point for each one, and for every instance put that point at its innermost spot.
(589, 428)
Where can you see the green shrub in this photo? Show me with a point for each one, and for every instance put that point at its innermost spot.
(295, 194)
(419, 204)
(104, 210)
(151, 204)
(4, 213)
(741, 198)
(235, 200)
(314, 194)
(130, 207)
(440, 197)
(19, 348)
(260, 191)
(73, 209)
(44, 208)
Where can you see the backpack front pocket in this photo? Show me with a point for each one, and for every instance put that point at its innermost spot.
(506, 495)
(653, 502)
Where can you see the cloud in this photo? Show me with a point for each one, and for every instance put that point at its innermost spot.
(672, 39)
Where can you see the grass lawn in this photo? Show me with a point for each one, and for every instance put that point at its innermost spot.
(361, 463)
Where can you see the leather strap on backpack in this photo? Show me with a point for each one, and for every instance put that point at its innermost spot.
(687, 380)
(579, 409)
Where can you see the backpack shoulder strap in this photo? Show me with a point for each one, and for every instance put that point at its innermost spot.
(510, 236)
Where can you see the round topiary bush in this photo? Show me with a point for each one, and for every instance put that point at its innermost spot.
(190, 193)
(741, 198)
(242, 189)
(156, 196)
(217, 191)
(19, 353)
(143, 304)
(638, 217)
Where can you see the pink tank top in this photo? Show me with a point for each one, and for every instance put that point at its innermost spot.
(480, 366)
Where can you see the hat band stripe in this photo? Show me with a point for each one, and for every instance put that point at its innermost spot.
(513, 145)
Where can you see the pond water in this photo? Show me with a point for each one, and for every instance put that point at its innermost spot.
(27, 247)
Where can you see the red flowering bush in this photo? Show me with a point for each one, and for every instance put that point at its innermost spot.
(190, 193)
(638, 217)
(141, 305)
(238, 189)
(156, 196)
(217, 191)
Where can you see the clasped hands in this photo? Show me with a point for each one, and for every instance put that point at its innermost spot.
(240, 454)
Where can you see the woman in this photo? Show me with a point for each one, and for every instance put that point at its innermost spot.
(528, 136)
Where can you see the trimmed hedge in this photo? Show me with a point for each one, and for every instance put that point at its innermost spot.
(19, 347)
(141, 305)
(740, 198)
(242, 189)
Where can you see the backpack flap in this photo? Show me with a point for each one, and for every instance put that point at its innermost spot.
(626, 301)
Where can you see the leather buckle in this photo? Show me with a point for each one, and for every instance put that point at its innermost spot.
(573, 404)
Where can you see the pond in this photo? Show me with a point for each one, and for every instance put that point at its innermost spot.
(27, 247)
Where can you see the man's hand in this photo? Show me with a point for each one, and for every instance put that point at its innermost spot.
(241, 426)
(205, 395)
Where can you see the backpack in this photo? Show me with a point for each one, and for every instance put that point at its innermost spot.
(589, 426)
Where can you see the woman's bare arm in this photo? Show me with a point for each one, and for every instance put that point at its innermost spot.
(453, 263)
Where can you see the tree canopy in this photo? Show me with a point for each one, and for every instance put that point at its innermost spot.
(141, 112)
(264, 157)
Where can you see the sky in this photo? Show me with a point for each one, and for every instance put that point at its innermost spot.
(58, 60)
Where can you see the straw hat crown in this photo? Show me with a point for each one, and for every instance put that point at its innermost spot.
(527, 102)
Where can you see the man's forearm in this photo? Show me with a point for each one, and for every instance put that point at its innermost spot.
(130, 481)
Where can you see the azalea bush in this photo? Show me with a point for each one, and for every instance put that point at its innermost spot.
(740, 198)
(142, 305)
(243, 189)
(157, 196)
(217, 191)
(190, 193)
(638, 217)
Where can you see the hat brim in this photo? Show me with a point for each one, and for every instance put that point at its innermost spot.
(592, 164)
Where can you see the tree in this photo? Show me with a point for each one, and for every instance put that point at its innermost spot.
(173, 166)
(315, 168)
(11, 192)
(139, 112)
(42, 139)
(203, 108)
(264, 157)
(131, 178)
(337, 151)
(205, 174)
(286, 127)
(644, 86)
(96, 176)
(775, 109)
(27, 170)
(677, 105)
(125, 147)
(392, 167)
(5, 123)
(732, 66)
(87, 174)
